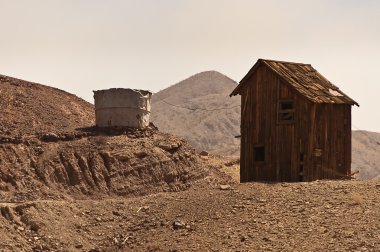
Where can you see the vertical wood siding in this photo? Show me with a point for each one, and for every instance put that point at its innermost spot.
(320, 132)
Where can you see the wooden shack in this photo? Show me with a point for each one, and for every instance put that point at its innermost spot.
(295, 124)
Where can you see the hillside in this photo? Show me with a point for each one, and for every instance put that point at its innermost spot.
(28, 108)
(366, 154)
(50, 148)
(194, 109)
(214, 131)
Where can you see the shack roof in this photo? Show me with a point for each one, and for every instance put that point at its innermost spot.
(304, 79)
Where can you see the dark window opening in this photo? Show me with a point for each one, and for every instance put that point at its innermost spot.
(285, 111)
(259, 154)
(302, 157)
(285, 105)
(286, 116)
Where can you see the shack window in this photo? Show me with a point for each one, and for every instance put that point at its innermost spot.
(259, 154)
(285, 111)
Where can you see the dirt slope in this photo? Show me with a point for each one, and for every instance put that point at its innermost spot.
(29, 108)
(99, 165)
(317, 216)
(50, 149)
(203, 126)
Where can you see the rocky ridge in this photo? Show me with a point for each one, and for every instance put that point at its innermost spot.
(50, 149)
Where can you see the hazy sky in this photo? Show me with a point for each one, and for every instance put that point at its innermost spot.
(80, 46)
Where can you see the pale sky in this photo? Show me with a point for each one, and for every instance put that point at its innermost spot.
(85, 45)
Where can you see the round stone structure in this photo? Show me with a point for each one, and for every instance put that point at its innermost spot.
(122, 107)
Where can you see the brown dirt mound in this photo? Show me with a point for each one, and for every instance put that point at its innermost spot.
(50, 149)
(100, 165)
(29, 108)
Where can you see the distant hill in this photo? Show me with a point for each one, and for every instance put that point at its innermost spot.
(366, 154)
(194, 109)
(214, 131)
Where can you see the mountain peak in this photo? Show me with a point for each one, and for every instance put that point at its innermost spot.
(200, 109)
(200, 84)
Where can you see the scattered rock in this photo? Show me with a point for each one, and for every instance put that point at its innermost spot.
(232, 162)
(79, 246)
(243, 238)
(50, 137)
(141, 154)
(6, 212)
(39, 150)
(225, 187)
(267, 239)
(203, 153)
(143, 209)
(116, 213)
(170, 147)
(178, 224)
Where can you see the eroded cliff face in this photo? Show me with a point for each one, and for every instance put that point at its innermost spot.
(99, 163)
(50, 148)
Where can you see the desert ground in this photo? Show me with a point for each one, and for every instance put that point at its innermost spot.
(316, 216)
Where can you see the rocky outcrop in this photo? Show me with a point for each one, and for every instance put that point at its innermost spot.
(121, 164)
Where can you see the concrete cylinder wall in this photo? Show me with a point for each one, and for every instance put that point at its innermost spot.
(122, 107)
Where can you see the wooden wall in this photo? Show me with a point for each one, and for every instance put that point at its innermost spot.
(333, 136)
(321, 133)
